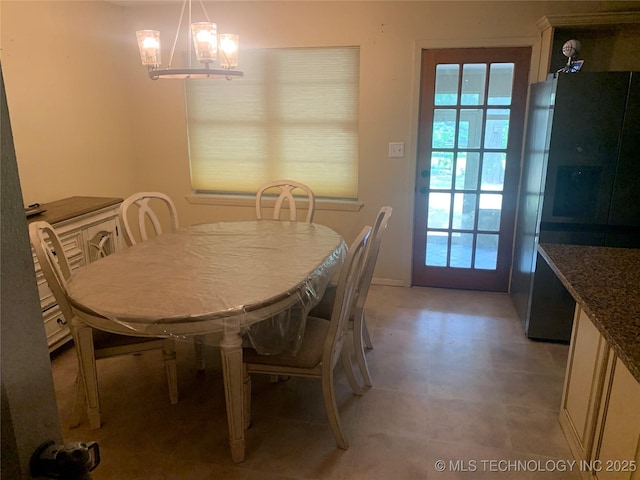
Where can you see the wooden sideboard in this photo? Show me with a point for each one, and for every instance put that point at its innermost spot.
(89, 230)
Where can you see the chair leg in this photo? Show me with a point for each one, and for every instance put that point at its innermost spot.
(87, 370)
(359, 327)
(169, 355)
(200, 346)
(79, 403)
(331, 407)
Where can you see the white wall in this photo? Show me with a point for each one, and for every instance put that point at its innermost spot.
(89, 121)
(68, 99)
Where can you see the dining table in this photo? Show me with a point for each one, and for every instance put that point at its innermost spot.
(236, 282)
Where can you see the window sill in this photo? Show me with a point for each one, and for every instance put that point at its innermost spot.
(250, 201)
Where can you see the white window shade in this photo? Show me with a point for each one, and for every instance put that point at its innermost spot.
(294, 115)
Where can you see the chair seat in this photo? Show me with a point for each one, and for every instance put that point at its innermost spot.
(310, 355)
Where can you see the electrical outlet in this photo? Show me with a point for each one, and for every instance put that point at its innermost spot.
(396, 149)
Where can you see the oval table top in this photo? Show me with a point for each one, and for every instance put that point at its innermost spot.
(196, 280)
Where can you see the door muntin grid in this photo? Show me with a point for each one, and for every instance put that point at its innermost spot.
(467, 166)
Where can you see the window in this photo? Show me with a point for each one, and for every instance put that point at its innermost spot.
(294, 115)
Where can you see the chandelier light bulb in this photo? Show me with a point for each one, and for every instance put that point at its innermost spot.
(149, 46)
(229, 48)
(205, 41)
(150, 43)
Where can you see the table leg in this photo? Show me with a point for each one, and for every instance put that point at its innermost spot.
(231, 351)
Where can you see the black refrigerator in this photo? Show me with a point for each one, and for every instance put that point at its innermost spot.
(580, 185)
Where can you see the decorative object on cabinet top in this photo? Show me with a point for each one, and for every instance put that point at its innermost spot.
(605, 282)
(72, 207)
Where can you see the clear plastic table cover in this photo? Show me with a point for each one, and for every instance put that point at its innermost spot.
(260, 278)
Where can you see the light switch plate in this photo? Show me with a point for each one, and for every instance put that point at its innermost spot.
(396, 149)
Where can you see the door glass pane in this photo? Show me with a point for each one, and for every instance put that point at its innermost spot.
(444, 128)
(447, 84)
(497, 129)
(486, 252)
(437, 246)
(493, 165)
(464, 210)
(441, 170)
(473, 81)
(461, 247)
(470, 128)
(467, 170)
(500, 83)
(489, 213)
(438, 211)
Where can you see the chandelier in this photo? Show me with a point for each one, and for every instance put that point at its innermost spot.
(207, 45)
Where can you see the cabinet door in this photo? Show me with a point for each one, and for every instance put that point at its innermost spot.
(617, 448)
(583, 385)
(101, 240)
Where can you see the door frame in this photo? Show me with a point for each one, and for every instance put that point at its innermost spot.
(535, 43)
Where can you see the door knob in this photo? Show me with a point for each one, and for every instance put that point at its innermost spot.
(424, 189)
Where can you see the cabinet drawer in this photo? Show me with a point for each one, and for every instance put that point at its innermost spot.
(72, 244)
(55, 328)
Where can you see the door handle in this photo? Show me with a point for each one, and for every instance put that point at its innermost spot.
(424, 173)
(424, 189)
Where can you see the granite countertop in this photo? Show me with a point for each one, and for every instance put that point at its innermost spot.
(605, 282)
(72, 207)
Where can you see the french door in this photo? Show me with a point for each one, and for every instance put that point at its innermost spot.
(472, 106)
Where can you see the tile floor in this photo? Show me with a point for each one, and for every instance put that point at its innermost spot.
(455, 380)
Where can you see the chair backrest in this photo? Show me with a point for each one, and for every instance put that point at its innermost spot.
(146, 215)
(53, 262)
(348, 281)
(371, 257)
(285, 189)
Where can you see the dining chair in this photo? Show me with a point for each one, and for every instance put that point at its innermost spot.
(286, 190)
(357, 321)
(322, 343)
(139, 206)
(146, 216)
(91, 344)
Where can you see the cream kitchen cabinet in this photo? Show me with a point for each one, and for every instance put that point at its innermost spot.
(616, 449)
(89, 230)
(584, 380)
(600, 410)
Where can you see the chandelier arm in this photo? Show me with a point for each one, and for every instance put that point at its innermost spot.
(205, 12)
(175, 41)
